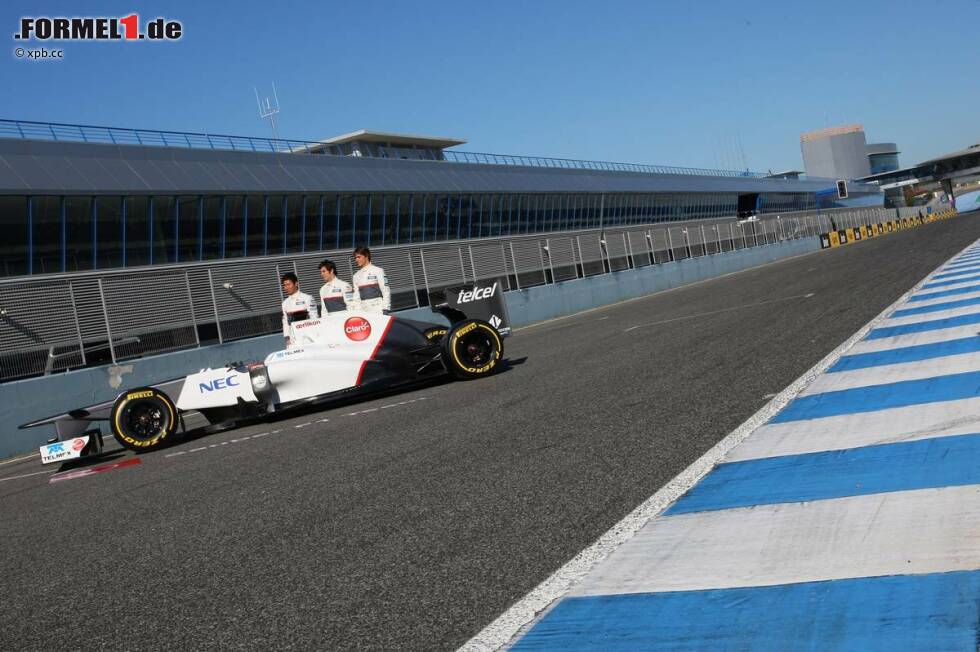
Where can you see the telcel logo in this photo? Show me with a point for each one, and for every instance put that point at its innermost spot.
(217, 384)
(476, 294)
(357, 328)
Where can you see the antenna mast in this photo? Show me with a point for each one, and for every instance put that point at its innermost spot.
(269, 110)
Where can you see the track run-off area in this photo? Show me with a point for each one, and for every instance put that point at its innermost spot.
(414, 520)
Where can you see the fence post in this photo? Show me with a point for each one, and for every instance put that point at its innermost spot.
(670, 245)
(513, 260)
(190, 302)
(650, 254)
(627, 242)
(541, 252)
(503, 259)
(581, 259)
(731, 235)
(462, 266)
(105, 315)
(78, 327)
(415, 283)
(425, 275)
(214, 303)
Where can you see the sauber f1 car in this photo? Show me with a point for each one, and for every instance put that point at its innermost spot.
(339, 357)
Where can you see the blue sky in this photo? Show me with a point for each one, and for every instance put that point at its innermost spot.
(707, 84)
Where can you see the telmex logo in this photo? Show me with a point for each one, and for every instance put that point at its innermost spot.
(476, 294)
(357, 328)
(43, 28)
(218, 383)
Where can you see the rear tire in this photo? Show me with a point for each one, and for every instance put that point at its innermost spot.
(471, 349)
(143, 419)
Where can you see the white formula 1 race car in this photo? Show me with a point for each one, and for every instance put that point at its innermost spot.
(339, 357)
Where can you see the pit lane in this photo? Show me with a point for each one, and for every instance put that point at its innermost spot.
(413, 526)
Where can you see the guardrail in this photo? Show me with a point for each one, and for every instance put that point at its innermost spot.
(55, 131)
(58, 322)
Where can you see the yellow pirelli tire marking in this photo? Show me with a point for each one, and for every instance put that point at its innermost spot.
(134, 396)
(466, 329)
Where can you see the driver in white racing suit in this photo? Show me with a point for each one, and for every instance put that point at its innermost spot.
(335, 295)
(297, 306)
(371, 292)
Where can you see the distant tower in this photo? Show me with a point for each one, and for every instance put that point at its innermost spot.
(269, 110)
(836, 153)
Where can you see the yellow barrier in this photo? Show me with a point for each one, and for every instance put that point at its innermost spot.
(864, 231)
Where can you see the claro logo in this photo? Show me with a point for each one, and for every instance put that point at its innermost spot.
(476, 294)
(357, 328)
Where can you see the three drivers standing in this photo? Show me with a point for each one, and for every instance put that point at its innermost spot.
(369, 292)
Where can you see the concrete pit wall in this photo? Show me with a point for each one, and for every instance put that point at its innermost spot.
(35, 398)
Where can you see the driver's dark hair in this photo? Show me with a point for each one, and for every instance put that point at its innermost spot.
(364, 251)
(328, 265)
(289, 276)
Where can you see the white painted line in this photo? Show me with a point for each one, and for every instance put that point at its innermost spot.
(955, 297)
(502, 630)
(27, 475)
(194, 450)
(261, 434)
(176, 454)
(369, 410)
(790, 543)
(389, 406)
(930, 316)
(894, 373)
(235, 441)
(20, 459)
(303, 425)
(915, 339)
(843, 431)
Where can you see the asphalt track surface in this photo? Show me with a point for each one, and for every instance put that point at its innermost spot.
(414, 523)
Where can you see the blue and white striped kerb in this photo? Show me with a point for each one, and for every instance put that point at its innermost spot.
(849, 521)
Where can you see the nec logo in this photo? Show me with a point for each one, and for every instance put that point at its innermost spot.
(476, 294)
(218, 383)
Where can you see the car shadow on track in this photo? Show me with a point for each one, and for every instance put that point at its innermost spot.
(91, 460)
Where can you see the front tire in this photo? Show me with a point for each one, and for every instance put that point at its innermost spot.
(471, 349)
(143, 419)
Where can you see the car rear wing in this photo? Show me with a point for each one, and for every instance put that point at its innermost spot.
(477, 301)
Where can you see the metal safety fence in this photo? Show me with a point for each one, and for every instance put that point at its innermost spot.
(60, 322)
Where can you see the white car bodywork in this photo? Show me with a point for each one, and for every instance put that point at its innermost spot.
(327, 355)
